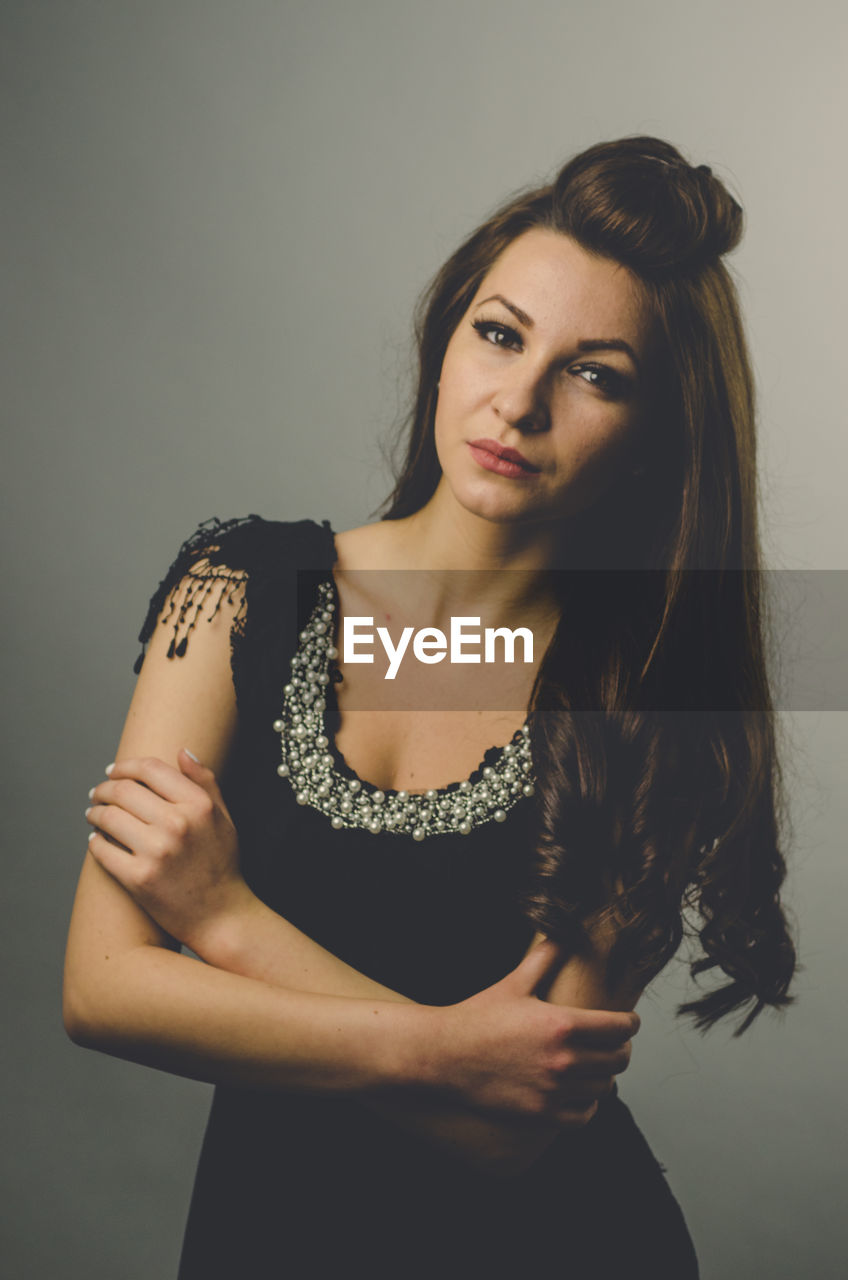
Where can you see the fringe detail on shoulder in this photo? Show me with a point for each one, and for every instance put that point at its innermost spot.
(207, 573)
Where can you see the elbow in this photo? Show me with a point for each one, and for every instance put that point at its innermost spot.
(77, 1033)
(97, 1006)
(78, 1017)
(94, 1023)
(111, 1005)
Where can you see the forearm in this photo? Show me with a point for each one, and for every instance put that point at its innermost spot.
(166, 1010)
(257, 942)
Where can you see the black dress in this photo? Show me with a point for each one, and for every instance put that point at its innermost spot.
(310, 1186)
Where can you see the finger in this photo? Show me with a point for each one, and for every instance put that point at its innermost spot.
(535, 967)
(578, 1114)
(161, 778)
(591, 1065)
(199, 773)
(113, 860)
(132, 833)
(603, 1028)
(133, 797)
(578, 1099)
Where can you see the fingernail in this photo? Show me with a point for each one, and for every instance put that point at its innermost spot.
(88, 810)
(110, 767)
(191, 753)
(91, 837)
(91, 793)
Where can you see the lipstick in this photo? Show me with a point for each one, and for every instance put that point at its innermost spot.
(501, 459)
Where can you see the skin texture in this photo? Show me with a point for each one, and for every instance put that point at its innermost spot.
(252, 1020)
(497, 1077)
(574, 413)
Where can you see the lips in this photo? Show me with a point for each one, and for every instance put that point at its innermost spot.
(502, 451)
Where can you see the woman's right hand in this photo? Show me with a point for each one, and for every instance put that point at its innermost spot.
(505, 1051)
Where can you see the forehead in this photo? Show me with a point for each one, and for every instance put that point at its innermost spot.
(561, 285)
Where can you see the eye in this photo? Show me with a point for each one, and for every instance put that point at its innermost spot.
(499, 335)
(609, 381)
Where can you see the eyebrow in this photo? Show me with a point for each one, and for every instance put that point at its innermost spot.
(585, 344)
(609, 344)
(510, 306)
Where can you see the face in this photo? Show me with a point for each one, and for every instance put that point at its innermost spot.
(550, 360)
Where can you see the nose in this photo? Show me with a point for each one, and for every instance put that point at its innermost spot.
(520, 399)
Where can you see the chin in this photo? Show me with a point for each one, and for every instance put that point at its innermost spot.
(485, 501)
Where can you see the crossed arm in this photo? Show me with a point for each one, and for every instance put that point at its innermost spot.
(493, 1079)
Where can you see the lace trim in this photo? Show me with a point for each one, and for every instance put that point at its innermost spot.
(195, 595)
(195, 585)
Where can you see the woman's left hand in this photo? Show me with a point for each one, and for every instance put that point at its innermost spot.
(165, 834)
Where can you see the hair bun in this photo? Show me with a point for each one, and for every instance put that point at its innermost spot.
(642, 200)
(723, 215)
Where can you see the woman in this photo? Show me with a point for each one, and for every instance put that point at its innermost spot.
(417, 992)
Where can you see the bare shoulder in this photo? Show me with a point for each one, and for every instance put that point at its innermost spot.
(371, 546)
(180, 700)
(185, 695)
(360, 552)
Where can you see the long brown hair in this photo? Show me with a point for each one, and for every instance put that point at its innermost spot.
(652, 724)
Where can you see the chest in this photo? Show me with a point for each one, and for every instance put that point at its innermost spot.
(427, 727)
(430, 724)
(414, 750)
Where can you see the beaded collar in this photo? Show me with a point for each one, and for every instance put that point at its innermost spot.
(310, 767)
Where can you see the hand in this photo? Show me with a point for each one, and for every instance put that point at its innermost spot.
(506, 1051)
(166, 836)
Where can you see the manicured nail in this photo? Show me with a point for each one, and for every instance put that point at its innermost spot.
(91, 793)
(88, 810)
(91, 837)
(191, 753)
(110, 767)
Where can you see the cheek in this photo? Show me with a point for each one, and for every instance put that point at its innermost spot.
(606, 448)
(466, 369)
(596, 455)
(460, 393)
(458, 389)
(442, 433)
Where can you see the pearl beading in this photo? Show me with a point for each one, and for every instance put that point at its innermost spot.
(310, 767)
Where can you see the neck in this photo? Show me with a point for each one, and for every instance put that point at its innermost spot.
(463, 556)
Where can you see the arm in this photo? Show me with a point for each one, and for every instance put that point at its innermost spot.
(251, 938)
(507, 1145)
(128, 994)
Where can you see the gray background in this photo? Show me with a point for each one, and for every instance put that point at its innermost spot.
(217, 217)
